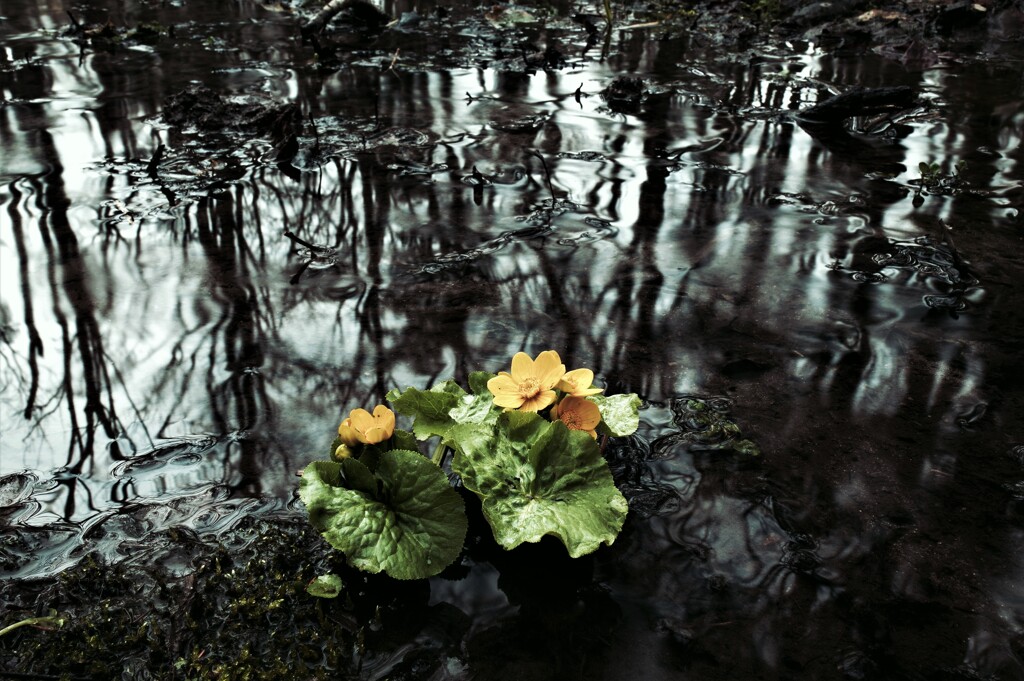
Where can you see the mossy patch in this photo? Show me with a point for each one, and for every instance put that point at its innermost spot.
(230, 613)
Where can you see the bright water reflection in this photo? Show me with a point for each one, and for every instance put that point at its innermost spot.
(163, 340)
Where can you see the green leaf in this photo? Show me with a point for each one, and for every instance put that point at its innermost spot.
(475, 409)
(325, 586)
(334, 446)
(428, 408)
(537, 478)
(411, 524)
(478, 382)
(478, 407)
(403, 439)
(370, 454)
(449, 386)
(620, 415)
(358, 476)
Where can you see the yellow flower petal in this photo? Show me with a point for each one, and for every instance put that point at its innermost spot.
(375, 435)
(505, 391)
(540, 401)
(548, 369)
(578, 383)
(347, 433)
(361, 420)
(522, 367)
(385, 419)
(508, 401)
(503, 384)
(368, 428)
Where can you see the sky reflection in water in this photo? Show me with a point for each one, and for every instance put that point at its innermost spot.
(705, 244)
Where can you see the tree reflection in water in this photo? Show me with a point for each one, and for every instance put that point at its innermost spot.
(706, 244)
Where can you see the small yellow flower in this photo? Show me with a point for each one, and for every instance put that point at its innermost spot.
(530, 385)
(342, 452)
(577, 413)
(578, 383)
(368, 429)
(348, 434)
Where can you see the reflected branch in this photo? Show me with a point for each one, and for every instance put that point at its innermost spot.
(35, 343)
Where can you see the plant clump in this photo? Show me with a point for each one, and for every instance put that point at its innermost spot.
(524, 441)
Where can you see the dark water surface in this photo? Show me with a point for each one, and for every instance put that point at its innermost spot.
(169, 358)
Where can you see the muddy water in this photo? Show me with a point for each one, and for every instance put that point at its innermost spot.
(170, 358)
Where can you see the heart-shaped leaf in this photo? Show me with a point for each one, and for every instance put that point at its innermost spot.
(402, 518)
(537, 478)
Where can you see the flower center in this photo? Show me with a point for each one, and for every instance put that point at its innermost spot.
(529, 387)
(571, 420)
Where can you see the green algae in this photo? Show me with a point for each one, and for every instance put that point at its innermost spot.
(706, 424)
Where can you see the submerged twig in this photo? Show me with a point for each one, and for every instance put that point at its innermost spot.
(479, 177)
(394, 60)
(547, 176)
(298, 275)
(299, 240)
(155, 161)
(646, 24)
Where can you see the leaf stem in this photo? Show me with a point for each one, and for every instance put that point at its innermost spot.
(438, 455)
(33, 621)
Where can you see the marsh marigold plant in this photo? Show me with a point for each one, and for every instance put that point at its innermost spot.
(511, 439)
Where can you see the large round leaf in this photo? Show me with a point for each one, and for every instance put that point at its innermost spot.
(403, 518)
(537, 478)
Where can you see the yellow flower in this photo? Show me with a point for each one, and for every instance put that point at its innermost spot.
(530, 385)
(578, 383)
(348, 434)
(368, 429)
(577, 413)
